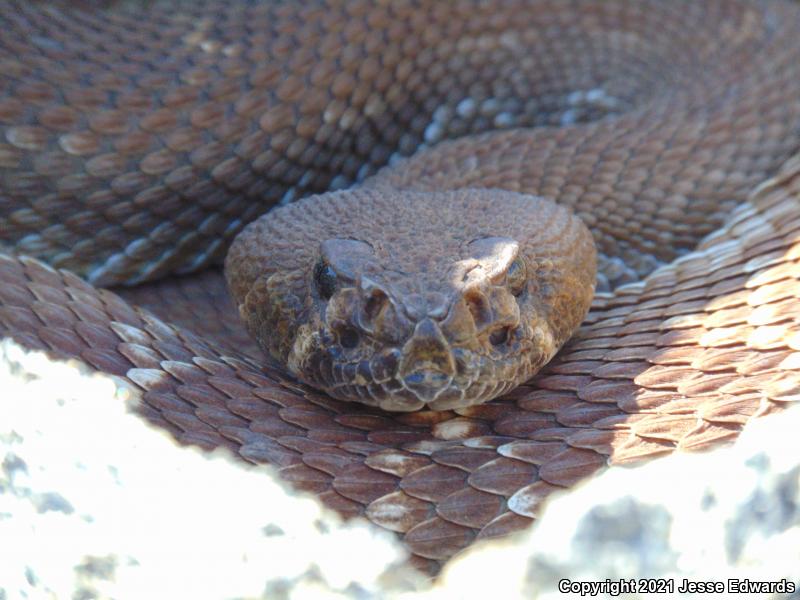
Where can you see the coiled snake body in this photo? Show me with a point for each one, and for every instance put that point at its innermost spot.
(136, 147)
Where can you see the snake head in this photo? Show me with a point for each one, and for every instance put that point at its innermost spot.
(407, 300)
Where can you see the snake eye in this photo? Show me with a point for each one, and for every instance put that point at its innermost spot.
(325, 280)
(516, 276)
(499, 336)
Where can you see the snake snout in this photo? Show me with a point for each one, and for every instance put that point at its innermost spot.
(428, 366)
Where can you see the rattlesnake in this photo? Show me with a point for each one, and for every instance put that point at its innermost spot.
(135, 147)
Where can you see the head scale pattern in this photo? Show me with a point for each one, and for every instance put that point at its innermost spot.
(406, 300)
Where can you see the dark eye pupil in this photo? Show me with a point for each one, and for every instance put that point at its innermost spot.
(499, 336)
(325, 278)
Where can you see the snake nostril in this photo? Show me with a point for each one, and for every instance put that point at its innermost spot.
(499, 336)
(348, 338)
(374, 304)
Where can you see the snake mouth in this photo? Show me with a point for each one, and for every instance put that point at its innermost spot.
(429, 370)
(427, 367)
(427, 384)
(392, 382)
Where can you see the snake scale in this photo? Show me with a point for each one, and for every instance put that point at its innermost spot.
(136, 143)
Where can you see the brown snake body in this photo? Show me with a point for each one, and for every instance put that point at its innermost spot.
(134, 147)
